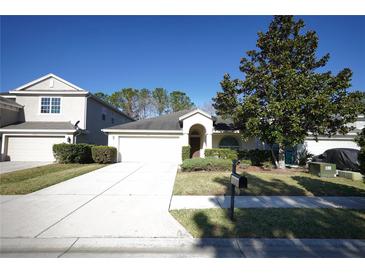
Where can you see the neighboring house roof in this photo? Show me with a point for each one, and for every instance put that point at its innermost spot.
(40, 126)
(9, 102)
(170, 121)
(163, 122)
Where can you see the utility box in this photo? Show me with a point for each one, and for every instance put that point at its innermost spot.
(322, 169)
(355, 176)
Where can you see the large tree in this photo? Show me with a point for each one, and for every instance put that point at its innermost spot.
(160, 100)
(283, 97)
(103, 96)
(144, 103)
(179, 101)
(127, 100)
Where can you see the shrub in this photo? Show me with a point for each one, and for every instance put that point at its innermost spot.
(72, 153)
(258, 156)
(360, 140)
(303, 157)
(221, 153)
(243, 155)
(207, 164)
(104, 154)
(185, 154)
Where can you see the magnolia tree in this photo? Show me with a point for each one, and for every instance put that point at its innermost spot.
(283, 96)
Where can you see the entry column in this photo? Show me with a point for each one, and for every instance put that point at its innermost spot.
(208, 137)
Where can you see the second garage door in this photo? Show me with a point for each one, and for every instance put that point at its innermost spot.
(32, 148)
(142, 149)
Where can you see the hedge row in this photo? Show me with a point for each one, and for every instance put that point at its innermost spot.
(256, 156)
(221, 153)
(84, 153)
(208, 164)
(185, 152)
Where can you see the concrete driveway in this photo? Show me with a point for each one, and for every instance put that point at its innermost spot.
(120, 200)
(10, 166)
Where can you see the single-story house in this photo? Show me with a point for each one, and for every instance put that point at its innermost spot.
(161, 138)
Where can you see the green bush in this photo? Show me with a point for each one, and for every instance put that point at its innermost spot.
(207, 164)
(303, 157)
(104, 154)
(72, 153)
(360, 140)
(243, 155)
(258, 157)
(185, 154)
(221, 153)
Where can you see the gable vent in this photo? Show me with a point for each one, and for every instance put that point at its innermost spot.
(51, 83)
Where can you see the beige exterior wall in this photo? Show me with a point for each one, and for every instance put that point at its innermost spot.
(95, 123)
(72, 109)
(50, 84)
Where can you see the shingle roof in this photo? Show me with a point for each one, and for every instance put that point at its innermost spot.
(41, 125)
(170, 122)
(163, 122)
(10, 102)
(223, 124)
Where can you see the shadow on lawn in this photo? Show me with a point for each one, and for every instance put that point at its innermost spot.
(325, 188)
(259, 186)
(292, 228)
(307, 186)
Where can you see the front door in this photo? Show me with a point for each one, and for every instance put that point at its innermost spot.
(194, 147)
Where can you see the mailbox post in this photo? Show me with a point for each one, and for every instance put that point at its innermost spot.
(236, 181)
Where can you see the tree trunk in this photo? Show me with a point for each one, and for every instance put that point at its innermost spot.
(274, 158)
(281, 160)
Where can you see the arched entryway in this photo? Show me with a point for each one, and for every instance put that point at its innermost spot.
(196, 140)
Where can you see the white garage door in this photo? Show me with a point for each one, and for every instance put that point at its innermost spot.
(322, 145)
(147, 149)
(32, 148)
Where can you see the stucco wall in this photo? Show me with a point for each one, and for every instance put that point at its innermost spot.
(72, 109)
(321, 146)
(47, 85)
(95, 123)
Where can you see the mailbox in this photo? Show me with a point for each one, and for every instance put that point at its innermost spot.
(238, 181)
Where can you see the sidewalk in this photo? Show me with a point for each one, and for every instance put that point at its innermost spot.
(201, 202)
(182, 247)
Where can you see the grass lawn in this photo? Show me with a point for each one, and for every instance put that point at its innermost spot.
(267, 183)
(274, 223)
(33, 179)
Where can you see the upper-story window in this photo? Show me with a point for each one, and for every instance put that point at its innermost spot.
(50, 105)
(103, 114)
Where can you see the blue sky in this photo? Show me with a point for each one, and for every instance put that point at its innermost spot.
(188, 53)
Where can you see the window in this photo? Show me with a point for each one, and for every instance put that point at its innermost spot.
(50, 105)
(229, 142)
(103, 114)
(112, 120)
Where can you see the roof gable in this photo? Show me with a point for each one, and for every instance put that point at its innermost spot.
(49, 82)
(194, 112)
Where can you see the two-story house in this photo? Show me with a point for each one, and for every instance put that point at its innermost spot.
(51, 110)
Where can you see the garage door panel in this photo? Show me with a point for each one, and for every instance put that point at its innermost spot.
(32, 148)
(147, 149)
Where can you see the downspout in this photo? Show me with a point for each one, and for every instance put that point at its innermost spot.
(79, 130)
